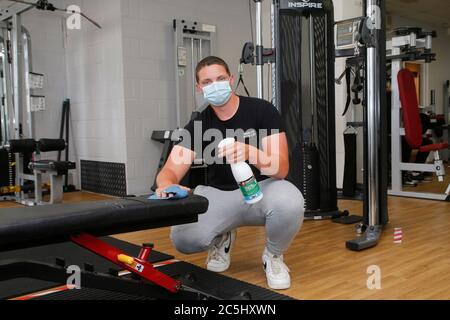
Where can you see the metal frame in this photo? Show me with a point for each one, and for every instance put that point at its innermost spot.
(145, 280)
(446, 105)
(4, 107)
(259, 50)
(17, 113)
(9, 9)
(375, 202)
(398, 166)
(375, 153)
(199, 36)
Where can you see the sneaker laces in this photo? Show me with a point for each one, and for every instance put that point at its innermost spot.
(216, 255)
(277, 265)
(215, 252)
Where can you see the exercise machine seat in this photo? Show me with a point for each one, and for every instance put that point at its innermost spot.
(434, 147)
(42, 225)
(411, 114)
(60, 167)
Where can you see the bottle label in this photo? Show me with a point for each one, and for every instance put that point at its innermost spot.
(250, 189)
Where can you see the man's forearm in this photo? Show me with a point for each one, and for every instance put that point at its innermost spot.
(273, 165)
(166, 178)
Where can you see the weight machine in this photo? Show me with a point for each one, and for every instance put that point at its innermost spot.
(303, 51)
(411, 44)
(21, 165)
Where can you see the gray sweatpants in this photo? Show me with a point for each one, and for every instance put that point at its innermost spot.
(281, 212)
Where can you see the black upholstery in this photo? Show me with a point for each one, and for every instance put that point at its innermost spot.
(49, 145)
(61, 167)
(30, 227)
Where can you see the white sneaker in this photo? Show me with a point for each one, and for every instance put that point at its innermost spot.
(219, 256)
(277, 272)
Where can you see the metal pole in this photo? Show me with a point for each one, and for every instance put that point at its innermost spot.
(4, 106)
(395, 125)
(259, 50)
(8, 86)
(274, 64)
(178, 69)
(312, 76)
(200, 50)
(194, 80)
(17, 93)
(15, 35)
(27, 68)
(373, 121)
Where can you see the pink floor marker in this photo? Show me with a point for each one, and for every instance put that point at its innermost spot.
(398, 235)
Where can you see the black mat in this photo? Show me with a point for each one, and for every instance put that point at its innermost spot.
(221, 286)
(73, 254)
(91, 295)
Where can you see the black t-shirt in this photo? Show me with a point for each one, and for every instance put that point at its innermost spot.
(254, 120)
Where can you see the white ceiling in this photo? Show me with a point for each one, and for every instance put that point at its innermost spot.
(436, 12)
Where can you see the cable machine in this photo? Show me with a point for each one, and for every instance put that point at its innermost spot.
(21, 166)
(304, 92)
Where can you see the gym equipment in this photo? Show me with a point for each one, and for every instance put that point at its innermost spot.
(411, 44)
(72, 254)
(83, 223)
(37, 168)
(37, 226)
(21, 100)
(302, 61)
(65, 134)
(373, 37)
(355, 65)
(303, 41)
(350, 170)
(57, 170)
(16, 109)
(194, 41)
(446, 105)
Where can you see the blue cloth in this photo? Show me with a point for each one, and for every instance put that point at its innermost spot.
(174, 192)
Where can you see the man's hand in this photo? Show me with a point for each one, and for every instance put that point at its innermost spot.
(160, 191)
(235, 153)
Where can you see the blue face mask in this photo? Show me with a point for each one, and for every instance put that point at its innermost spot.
(218, 93)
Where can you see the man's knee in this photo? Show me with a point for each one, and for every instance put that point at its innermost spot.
(189, 241)
(288, 202)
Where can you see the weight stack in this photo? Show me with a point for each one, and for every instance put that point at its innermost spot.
(4, 168)
(310, 176)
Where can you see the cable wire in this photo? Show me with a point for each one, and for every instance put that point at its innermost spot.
(251, 19)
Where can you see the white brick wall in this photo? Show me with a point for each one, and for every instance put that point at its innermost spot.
(95, 83)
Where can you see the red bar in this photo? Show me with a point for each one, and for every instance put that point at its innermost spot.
(145, 252)
(139, 267)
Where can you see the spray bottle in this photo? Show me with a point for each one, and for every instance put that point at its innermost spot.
(244, 177)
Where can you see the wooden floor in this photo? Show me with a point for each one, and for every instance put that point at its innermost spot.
(432, 187)
(323, 269)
